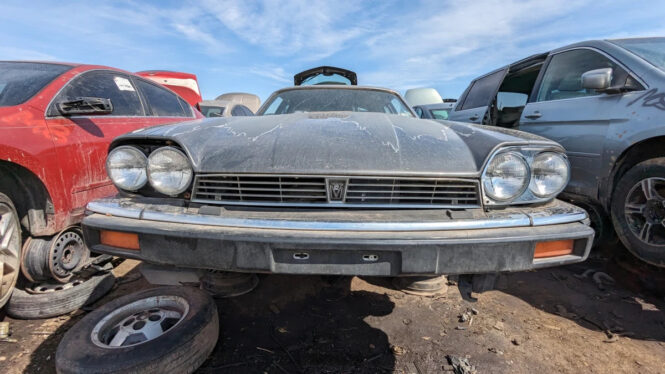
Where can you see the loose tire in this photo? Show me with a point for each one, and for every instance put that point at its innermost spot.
(10, 248)
(55, 299)
(638, 210)
(160, 330)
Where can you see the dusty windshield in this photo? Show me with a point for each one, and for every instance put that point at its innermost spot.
(19, 81)
(331, 99)
(650, 49)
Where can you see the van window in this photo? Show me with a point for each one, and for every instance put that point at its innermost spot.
(483, 90)
(563, 77)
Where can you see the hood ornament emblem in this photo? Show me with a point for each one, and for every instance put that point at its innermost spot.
(336, 190)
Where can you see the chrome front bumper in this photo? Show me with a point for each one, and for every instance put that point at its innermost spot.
(324, 241)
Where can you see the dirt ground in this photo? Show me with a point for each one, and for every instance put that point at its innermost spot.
(551, 320)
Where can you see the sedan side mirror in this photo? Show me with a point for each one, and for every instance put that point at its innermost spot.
(598, 79)
(85, 106)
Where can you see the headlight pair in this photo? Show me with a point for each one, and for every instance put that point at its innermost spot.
(525, 175)
(167, 169)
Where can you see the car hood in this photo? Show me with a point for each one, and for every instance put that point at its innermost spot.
(334, 143)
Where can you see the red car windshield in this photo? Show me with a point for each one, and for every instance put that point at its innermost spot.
(19, 81)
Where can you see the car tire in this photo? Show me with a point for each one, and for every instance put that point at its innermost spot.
(104, 340)
(10, 248)
(55, 299)
(629, 196)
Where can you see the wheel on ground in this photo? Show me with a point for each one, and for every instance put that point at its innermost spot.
(46, 300)
(10, 248)
(55, 258)
(422, 285)
(224, 284)
(638, 210)
(160, 330)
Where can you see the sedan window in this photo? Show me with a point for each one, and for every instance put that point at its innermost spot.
(212, 111)
(19, 81)
(103, 84)
(162, 102)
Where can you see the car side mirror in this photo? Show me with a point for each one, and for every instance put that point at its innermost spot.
(85, 106)
(598, 79)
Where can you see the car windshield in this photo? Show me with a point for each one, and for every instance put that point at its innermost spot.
(650, 49)
(335, 99)
(212, 111)
(19, 81)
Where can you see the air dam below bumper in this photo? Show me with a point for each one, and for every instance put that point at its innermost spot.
(349, 242)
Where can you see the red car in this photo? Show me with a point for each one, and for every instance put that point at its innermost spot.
(184, 84)
(56, 122)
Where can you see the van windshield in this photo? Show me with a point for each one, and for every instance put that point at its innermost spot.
(650, 49)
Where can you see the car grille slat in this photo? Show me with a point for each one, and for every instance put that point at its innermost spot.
(296, 190)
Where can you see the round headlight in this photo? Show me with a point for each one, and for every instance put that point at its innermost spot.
(169, 171)
(125, 166)
(549, 174)
(506, 176)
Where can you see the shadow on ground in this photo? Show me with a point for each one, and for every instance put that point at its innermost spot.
(302, 324)
(627, 307)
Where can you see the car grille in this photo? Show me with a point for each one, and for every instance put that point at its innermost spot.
(291, 190)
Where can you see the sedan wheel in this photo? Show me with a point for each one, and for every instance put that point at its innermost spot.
(159, 330)
(139, 322)
(638, 210)
(10, 248)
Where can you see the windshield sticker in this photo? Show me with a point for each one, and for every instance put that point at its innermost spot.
(123, 84)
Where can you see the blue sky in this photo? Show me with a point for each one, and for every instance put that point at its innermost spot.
(257, 46)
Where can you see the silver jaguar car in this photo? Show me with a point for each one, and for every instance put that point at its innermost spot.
(337, 179)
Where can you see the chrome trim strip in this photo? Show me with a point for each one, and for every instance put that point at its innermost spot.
(567, 217)
(504, 221)
(114, 209)
(513, 220)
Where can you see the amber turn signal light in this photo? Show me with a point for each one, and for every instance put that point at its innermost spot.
(553, 248)
(125, 240)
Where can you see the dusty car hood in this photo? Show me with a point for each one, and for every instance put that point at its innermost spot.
(344, 143)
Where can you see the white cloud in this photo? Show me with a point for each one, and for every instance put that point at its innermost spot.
(303, 29)
(275, 73)
(196, 34)
(12, 53)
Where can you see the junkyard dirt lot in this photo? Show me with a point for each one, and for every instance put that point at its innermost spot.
(543, 321)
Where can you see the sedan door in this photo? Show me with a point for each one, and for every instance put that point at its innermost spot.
(579, 119)
(82, 140)
(478, 98)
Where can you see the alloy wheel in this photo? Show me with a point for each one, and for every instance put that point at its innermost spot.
(139, 322)
(644, 209)
(10, 249)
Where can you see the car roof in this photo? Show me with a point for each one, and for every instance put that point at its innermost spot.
(44, 62)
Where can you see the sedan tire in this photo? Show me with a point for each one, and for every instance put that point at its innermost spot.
(46, 300)
(10, 248)
(159, 330)
(638, 211)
